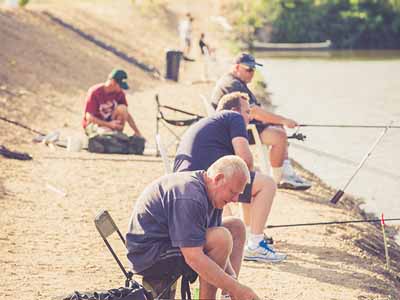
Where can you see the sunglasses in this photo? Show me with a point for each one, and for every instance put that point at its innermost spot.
(248, 69)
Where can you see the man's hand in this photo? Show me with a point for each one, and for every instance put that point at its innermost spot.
(243, 293)
(138, 134)
(289, 123)
(115, 125)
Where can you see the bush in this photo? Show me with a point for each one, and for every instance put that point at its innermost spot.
(349, 24)
(22, 3)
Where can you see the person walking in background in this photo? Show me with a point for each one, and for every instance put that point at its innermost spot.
(224, 134)
(185, 34)
(206, 53)
(269, 125)
(204, 47)
(106, 108)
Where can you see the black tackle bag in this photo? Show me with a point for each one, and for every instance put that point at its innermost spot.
(118, 143)
(135, 292)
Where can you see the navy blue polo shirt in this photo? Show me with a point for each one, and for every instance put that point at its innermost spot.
(208, 140)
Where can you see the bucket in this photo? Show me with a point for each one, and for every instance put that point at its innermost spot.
(74, 144)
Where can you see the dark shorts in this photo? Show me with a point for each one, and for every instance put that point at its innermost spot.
(164, 273)
(245, 197)
(171, 264)
(260, 127)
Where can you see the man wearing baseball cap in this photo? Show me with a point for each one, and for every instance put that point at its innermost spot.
(106, 107)
(269, 125)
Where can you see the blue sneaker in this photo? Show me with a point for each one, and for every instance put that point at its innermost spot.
(263, 253)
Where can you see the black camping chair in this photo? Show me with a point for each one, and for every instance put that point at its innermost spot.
(161, 118)
(106, 227)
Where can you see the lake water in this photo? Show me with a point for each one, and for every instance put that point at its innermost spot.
(342, 87)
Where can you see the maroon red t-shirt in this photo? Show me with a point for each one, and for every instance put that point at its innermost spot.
(101, 104)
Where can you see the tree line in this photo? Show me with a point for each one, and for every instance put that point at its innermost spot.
(349, 24)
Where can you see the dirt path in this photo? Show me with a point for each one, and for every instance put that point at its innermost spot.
(48, 244)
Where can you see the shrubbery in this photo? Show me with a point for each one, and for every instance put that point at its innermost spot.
(349, 24)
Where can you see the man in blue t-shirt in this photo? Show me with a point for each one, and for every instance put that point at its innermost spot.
(225, 134)
(269, 125)
(176, 228)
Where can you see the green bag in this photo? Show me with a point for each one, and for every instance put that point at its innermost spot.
(118, 143)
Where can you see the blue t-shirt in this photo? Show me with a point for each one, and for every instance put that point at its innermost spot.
(172, 212)
(208, 140)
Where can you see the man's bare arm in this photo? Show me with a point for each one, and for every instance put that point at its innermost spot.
(264, 116)
(209, 271)
(132, 124)
(114, 124)
(242, 149)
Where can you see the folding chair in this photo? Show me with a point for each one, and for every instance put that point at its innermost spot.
(106, 227)
(262, 150)
(161, 118)
(164, 155)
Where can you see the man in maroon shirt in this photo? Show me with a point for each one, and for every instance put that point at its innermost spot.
(106, 106)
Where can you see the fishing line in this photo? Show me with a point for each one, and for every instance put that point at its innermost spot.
(347, 126)
(331, 223)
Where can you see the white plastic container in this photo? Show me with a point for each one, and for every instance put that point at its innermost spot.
(74, 144)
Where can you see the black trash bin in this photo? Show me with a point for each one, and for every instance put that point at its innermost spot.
(173, 60)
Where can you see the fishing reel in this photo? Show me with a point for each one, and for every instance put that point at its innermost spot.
(298, 136)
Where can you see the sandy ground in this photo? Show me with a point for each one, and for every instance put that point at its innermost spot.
(49, 246)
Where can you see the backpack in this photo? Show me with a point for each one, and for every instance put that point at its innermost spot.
(117, 142)
(136, 292)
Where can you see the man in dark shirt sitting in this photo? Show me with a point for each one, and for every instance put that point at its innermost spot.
(225, 134)
(176, 227)
(269, 125)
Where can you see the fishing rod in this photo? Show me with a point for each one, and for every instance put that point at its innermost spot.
(20, 125)
(331, 223)
(347, 126)
(340, 192)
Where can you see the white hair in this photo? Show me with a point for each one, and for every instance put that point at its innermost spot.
(229, 165)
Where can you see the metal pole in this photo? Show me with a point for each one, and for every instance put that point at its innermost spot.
(347, 126)
(340, 192)
(330, 223)
(385, 243)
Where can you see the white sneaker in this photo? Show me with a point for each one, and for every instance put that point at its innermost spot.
(225, 297)
(294, 182)
(263, 253)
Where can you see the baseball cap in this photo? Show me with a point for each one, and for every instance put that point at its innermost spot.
(247, 59)
(119, 76)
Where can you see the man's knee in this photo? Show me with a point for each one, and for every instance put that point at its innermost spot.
(263, 182)
(274, 136)
(236, 227)
(219, 238)
(120, 110)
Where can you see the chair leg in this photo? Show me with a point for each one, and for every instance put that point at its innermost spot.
(157, 286)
